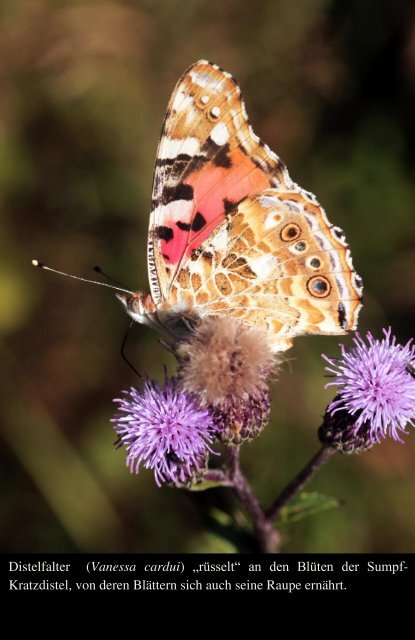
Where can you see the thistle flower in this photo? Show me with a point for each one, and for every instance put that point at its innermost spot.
(376, 396)
(227, 366)
(164, 428)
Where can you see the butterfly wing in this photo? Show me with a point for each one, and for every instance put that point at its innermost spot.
(278, 263)
(208, 160)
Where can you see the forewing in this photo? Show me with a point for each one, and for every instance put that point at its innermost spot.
(208, 160)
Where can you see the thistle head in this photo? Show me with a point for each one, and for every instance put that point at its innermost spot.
(165, 429)
(375, 392)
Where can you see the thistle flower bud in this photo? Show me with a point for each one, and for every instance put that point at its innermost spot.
(244, 420)
(339, 431)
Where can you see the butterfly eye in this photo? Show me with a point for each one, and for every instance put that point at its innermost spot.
(319, 286)
(290, 232)
(314, 263)
(300, 247)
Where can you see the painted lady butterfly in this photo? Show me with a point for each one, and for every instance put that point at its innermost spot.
(231, 233)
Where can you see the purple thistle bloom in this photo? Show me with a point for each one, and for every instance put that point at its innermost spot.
(375, 385)
(164, 428)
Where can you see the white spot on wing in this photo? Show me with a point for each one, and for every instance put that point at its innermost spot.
(181, 101)
(330, 325)
(205, 80)
(263, 266)
(220, 240)
(220, 134)
(272, 220)
(197, 267)
(172, 148)
(175, 211)
(267, 201)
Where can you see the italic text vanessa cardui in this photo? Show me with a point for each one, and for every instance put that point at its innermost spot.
(230, 232)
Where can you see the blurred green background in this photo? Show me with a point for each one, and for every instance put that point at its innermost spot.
(330, 85)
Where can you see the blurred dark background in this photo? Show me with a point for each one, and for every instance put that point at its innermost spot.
(330, 85)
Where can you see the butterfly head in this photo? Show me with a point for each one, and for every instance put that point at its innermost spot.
(139, 306)
(173, 323)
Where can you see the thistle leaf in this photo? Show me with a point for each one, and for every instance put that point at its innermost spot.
(306, 504)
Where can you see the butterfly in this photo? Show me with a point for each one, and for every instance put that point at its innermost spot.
(231, 234)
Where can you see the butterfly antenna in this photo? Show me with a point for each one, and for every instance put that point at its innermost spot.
(40, 265)
(123, 356)
(98, 269)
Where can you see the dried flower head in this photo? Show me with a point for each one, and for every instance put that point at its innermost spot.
(376, 387)
(164, 428)
(224, 360)
(227, 365)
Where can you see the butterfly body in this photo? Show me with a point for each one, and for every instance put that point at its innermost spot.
(231, 234)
